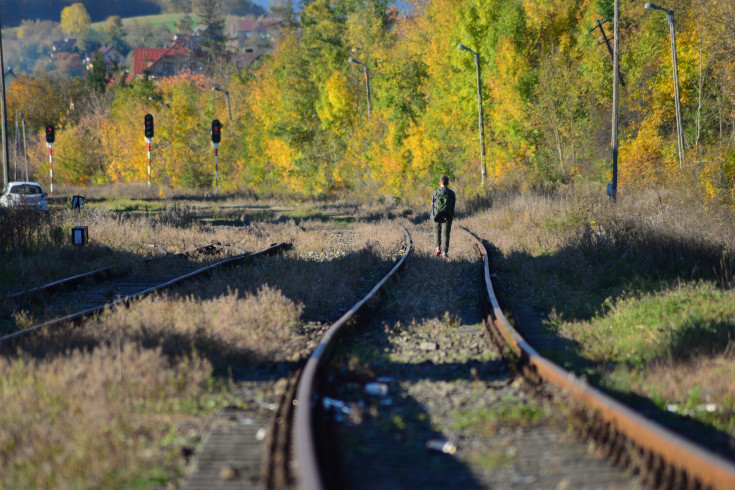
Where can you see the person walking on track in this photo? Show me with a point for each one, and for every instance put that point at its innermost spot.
(442, 214)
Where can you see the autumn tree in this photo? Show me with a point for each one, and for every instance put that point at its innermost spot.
(75, 20)
(42, 99)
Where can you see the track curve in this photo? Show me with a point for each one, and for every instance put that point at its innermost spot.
(679, 461)
(305, 451)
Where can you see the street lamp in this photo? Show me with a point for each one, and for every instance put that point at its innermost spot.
(367, 83)
(679, 127)
(229, 109)
(462, 47)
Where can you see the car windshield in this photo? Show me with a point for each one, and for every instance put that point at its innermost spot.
(25, 189)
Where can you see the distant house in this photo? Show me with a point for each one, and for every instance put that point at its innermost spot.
(165, 62)
(109, 54)
(258, 34)
(66, 46)
(247, 58)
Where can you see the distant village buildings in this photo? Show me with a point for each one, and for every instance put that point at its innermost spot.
(253, 39)
(166, 62)
(250, 39)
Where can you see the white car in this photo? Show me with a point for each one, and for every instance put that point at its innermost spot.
(24, 194)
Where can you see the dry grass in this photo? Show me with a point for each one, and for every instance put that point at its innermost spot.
(107, 418)
(636, 286)
(136, 386)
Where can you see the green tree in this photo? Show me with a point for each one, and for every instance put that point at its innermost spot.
(212, 40)
(98, 77)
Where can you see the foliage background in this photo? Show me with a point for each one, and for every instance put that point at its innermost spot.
(300, 124)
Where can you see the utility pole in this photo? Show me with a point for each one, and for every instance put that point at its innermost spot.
(25, 147)
(3, 114)
(481, 123)
(599, 25)
(613, 190)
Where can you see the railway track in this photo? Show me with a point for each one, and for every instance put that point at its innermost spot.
(665, 458)
(122, 291)
(308, 454)
(314, 452)
(249, 448)
(104, 272)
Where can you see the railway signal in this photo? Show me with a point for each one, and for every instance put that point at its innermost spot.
(50, 138)
(148, 126)
(216, 138)
(50, 133)
(148, 130)
(216, 131)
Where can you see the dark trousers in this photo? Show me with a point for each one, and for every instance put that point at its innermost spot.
(441, 235)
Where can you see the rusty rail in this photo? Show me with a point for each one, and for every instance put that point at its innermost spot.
(305, 451)
(699, 464)
(132, 297)
(103, 271)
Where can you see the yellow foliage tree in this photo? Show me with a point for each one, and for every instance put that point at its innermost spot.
(75, 20)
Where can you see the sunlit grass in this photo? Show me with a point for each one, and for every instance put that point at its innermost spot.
(137, 387)
(642, 289)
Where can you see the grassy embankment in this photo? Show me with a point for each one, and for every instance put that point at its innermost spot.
(643, 289)
(135, 389)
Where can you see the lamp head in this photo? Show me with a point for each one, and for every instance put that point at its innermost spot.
(353, 61)
(652, 6)
(463, 47)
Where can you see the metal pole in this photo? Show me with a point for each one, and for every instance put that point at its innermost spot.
(25, 147)
(51, 165)
(216, 172)
(679, 126)
(367, 85)
(481, 123)
(149, 162)
(16, 150)
(3, 113)
(616, 71)
(229, 110)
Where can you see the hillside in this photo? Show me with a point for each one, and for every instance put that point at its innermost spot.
(14, 12)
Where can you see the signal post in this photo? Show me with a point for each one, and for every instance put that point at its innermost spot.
(216, 138)
(50, 138)
(148, 130)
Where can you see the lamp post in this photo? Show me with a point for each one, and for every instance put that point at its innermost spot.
(229, 109)
(367, 83)
(479, 110)
(679, 127)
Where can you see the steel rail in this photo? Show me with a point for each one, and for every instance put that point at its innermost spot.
(700, 464)
(132, 297)
(102, 271)
(67, 281)
(307, 464)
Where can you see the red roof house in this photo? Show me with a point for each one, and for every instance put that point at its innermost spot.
(163, 62)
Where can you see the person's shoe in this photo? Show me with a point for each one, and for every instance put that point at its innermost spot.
(438, 252)
(445, 256)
